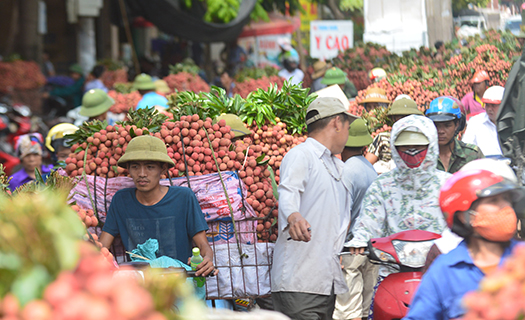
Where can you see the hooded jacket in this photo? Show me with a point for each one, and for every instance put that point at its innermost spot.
(404, 198)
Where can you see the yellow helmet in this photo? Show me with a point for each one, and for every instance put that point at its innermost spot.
(58, 132)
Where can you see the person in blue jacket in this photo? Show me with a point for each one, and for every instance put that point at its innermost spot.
(478, 206)
(146, 87)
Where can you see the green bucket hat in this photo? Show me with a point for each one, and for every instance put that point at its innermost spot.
(145, 148)
(404, 107)
(358, 135)
(95, 102)
(411, 138)
(144, 82)
(76, 68)
(334, 76)
(235, 123)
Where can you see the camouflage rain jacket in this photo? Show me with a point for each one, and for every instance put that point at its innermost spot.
(404, 198)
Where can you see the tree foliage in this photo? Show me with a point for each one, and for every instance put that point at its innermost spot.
(458, 5)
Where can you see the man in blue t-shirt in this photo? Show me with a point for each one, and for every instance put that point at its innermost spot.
(171, 215)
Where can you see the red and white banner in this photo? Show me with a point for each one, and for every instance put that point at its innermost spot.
(328, 37)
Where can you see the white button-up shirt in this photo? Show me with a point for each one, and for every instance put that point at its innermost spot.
(311, 185)
(483, 133)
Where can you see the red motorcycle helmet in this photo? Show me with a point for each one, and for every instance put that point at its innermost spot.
(464, 187)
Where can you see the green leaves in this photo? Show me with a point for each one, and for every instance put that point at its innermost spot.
(86, 130)
(147, 117)
(288, 105)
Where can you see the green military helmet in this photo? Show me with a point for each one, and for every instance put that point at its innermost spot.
(358, 135)
(143, 82)
(95, 102)
(411, 138)
(145, 148)
(404, 107)
(235, 123)
(334, 76)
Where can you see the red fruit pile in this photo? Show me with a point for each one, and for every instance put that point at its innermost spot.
(20, 75)
(184, 81)
(110, 77)
(124, 101)
(501, 295)
(91, 292)
(274, 142)
(244, 88)
(188, 146)
(86, 216)
(100, 152)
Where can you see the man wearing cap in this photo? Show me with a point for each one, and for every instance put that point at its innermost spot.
(146, 87)
(472, 100)
(407, 197)
(237, 126)
(481, 128)
(374, 98)
(73, 93)
(313, 217)
(320, 68)
(379, 153)
(171, 215)
(360, 274)
(337, 76)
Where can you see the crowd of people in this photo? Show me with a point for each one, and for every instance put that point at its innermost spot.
(338, 189)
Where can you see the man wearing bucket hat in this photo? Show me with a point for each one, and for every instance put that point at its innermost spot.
(375, 98)
(320, 68)
(360, 274)
(337, 76)
(171, 215)
(472, 101)
(237, 126)
(312, 199)
(379, 153)
(146, 87)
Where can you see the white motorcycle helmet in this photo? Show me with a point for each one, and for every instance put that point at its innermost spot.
(493, 95)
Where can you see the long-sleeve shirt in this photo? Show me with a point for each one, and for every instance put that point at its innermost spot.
(358, 175)
(404, 198)
(446, 282)
(311, 185)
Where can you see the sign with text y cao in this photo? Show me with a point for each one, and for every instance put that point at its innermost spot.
(328, 37)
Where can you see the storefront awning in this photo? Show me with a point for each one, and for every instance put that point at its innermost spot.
(278, 24)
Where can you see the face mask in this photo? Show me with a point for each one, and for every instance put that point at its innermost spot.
(497, 226)
(413, 157)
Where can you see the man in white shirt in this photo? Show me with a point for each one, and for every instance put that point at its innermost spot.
(481, 128)
(313, 217)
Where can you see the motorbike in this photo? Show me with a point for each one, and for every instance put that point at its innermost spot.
(406, 250)
(7, 158)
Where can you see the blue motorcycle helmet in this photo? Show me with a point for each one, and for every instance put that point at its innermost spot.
(445, 108)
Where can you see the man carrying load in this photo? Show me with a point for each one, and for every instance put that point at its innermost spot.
(171, 215)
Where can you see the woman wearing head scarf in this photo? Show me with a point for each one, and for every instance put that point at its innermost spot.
(29, 150)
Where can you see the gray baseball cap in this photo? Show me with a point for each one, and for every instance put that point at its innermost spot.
(327, 107)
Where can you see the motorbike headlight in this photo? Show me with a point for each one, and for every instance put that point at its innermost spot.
(412, 254)
(383, 256)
